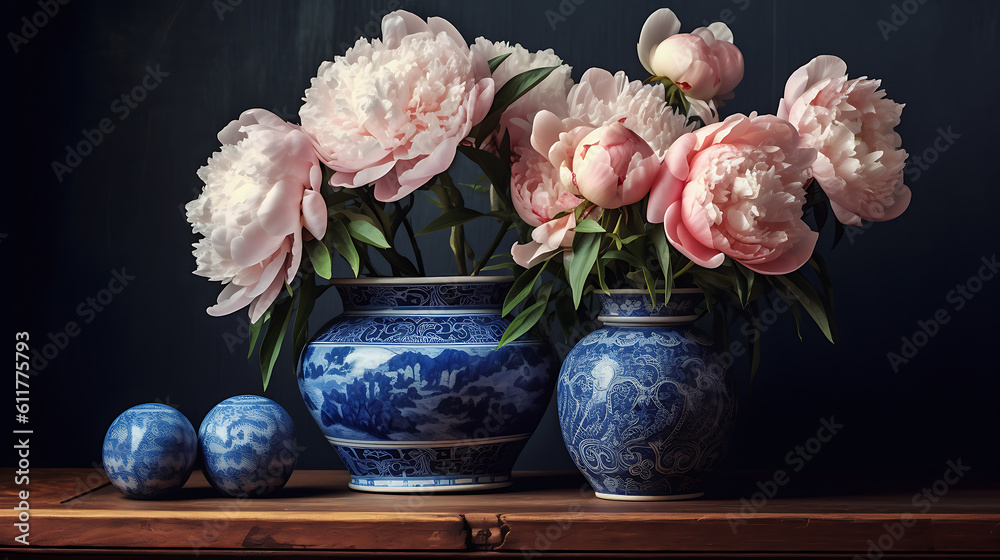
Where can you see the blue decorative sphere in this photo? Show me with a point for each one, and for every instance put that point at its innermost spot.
(248, 446)
(149, 451)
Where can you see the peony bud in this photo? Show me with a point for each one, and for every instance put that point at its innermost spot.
(613, 167)
(704, 63)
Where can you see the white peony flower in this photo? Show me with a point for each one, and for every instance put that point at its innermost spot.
(601, 99)
(393, 112)
(550, 94)
(260, 190)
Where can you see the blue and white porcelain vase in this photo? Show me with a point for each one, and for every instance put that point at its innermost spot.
(645, 402)
(410, 388)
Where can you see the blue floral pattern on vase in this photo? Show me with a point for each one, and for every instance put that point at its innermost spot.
(637, 303)
(645, 403)
(248, 446)
(149, 451)
(361, 295)
(419, 398)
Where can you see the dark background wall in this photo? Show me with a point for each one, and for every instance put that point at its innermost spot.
(116, 209)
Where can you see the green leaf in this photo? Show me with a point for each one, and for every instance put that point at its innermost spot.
(493, 167)
(500, 266)
(708, 277)
(367, 233)
(319, 255)
(300, 328)
(711, 301)
(650, 283)
(507, 95)
(589, 226)
(517, 86)
(522, 286)
(270, 346)
(506, 154)
(255, 330)
(495, 62)
(342, 242)
(348, 216)
(819, 265)
(545, 290)
(632, 260)
(585, 249)
(600, 278)
(797, 314)
(744, 278)
(334, 199)
(401, 265)
(662, 246)
(566, 314)
(491, 249)
(810, 300)
(524, 321)
(376, 211)
(451, 218)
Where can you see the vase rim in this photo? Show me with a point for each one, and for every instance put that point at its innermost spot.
(420, 280)
(628, 291)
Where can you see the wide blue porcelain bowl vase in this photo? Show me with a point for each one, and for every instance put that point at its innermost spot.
(645, 402)
(410, 388)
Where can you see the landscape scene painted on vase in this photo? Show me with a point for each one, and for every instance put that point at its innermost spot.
(425, 393)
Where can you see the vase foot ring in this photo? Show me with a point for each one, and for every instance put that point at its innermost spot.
(431, 484)
(429, 489)
(649, 498)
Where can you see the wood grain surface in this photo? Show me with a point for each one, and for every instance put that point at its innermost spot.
(77, 510)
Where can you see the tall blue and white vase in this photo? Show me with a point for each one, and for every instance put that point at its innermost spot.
(410, 388)
(645, 402)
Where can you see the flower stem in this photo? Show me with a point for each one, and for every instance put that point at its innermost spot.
(416, 246)
(458, 245)
(366, 262)
(686, 268)
(492, 248)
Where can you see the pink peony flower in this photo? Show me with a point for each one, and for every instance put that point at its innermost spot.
(536, 191)
(546, 239)
(704, 63)
(850, 123)
(539, 197)
(550, 94)
(640, 127)
(612, 167)
(393, 112)
(736, 188)
(260, 190)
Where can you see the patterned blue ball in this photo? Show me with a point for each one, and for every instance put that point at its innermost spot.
(248, 446)
(149, 451)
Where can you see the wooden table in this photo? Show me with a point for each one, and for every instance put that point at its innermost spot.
(75, 511)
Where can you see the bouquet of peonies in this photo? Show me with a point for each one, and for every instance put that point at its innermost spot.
(609, 182)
